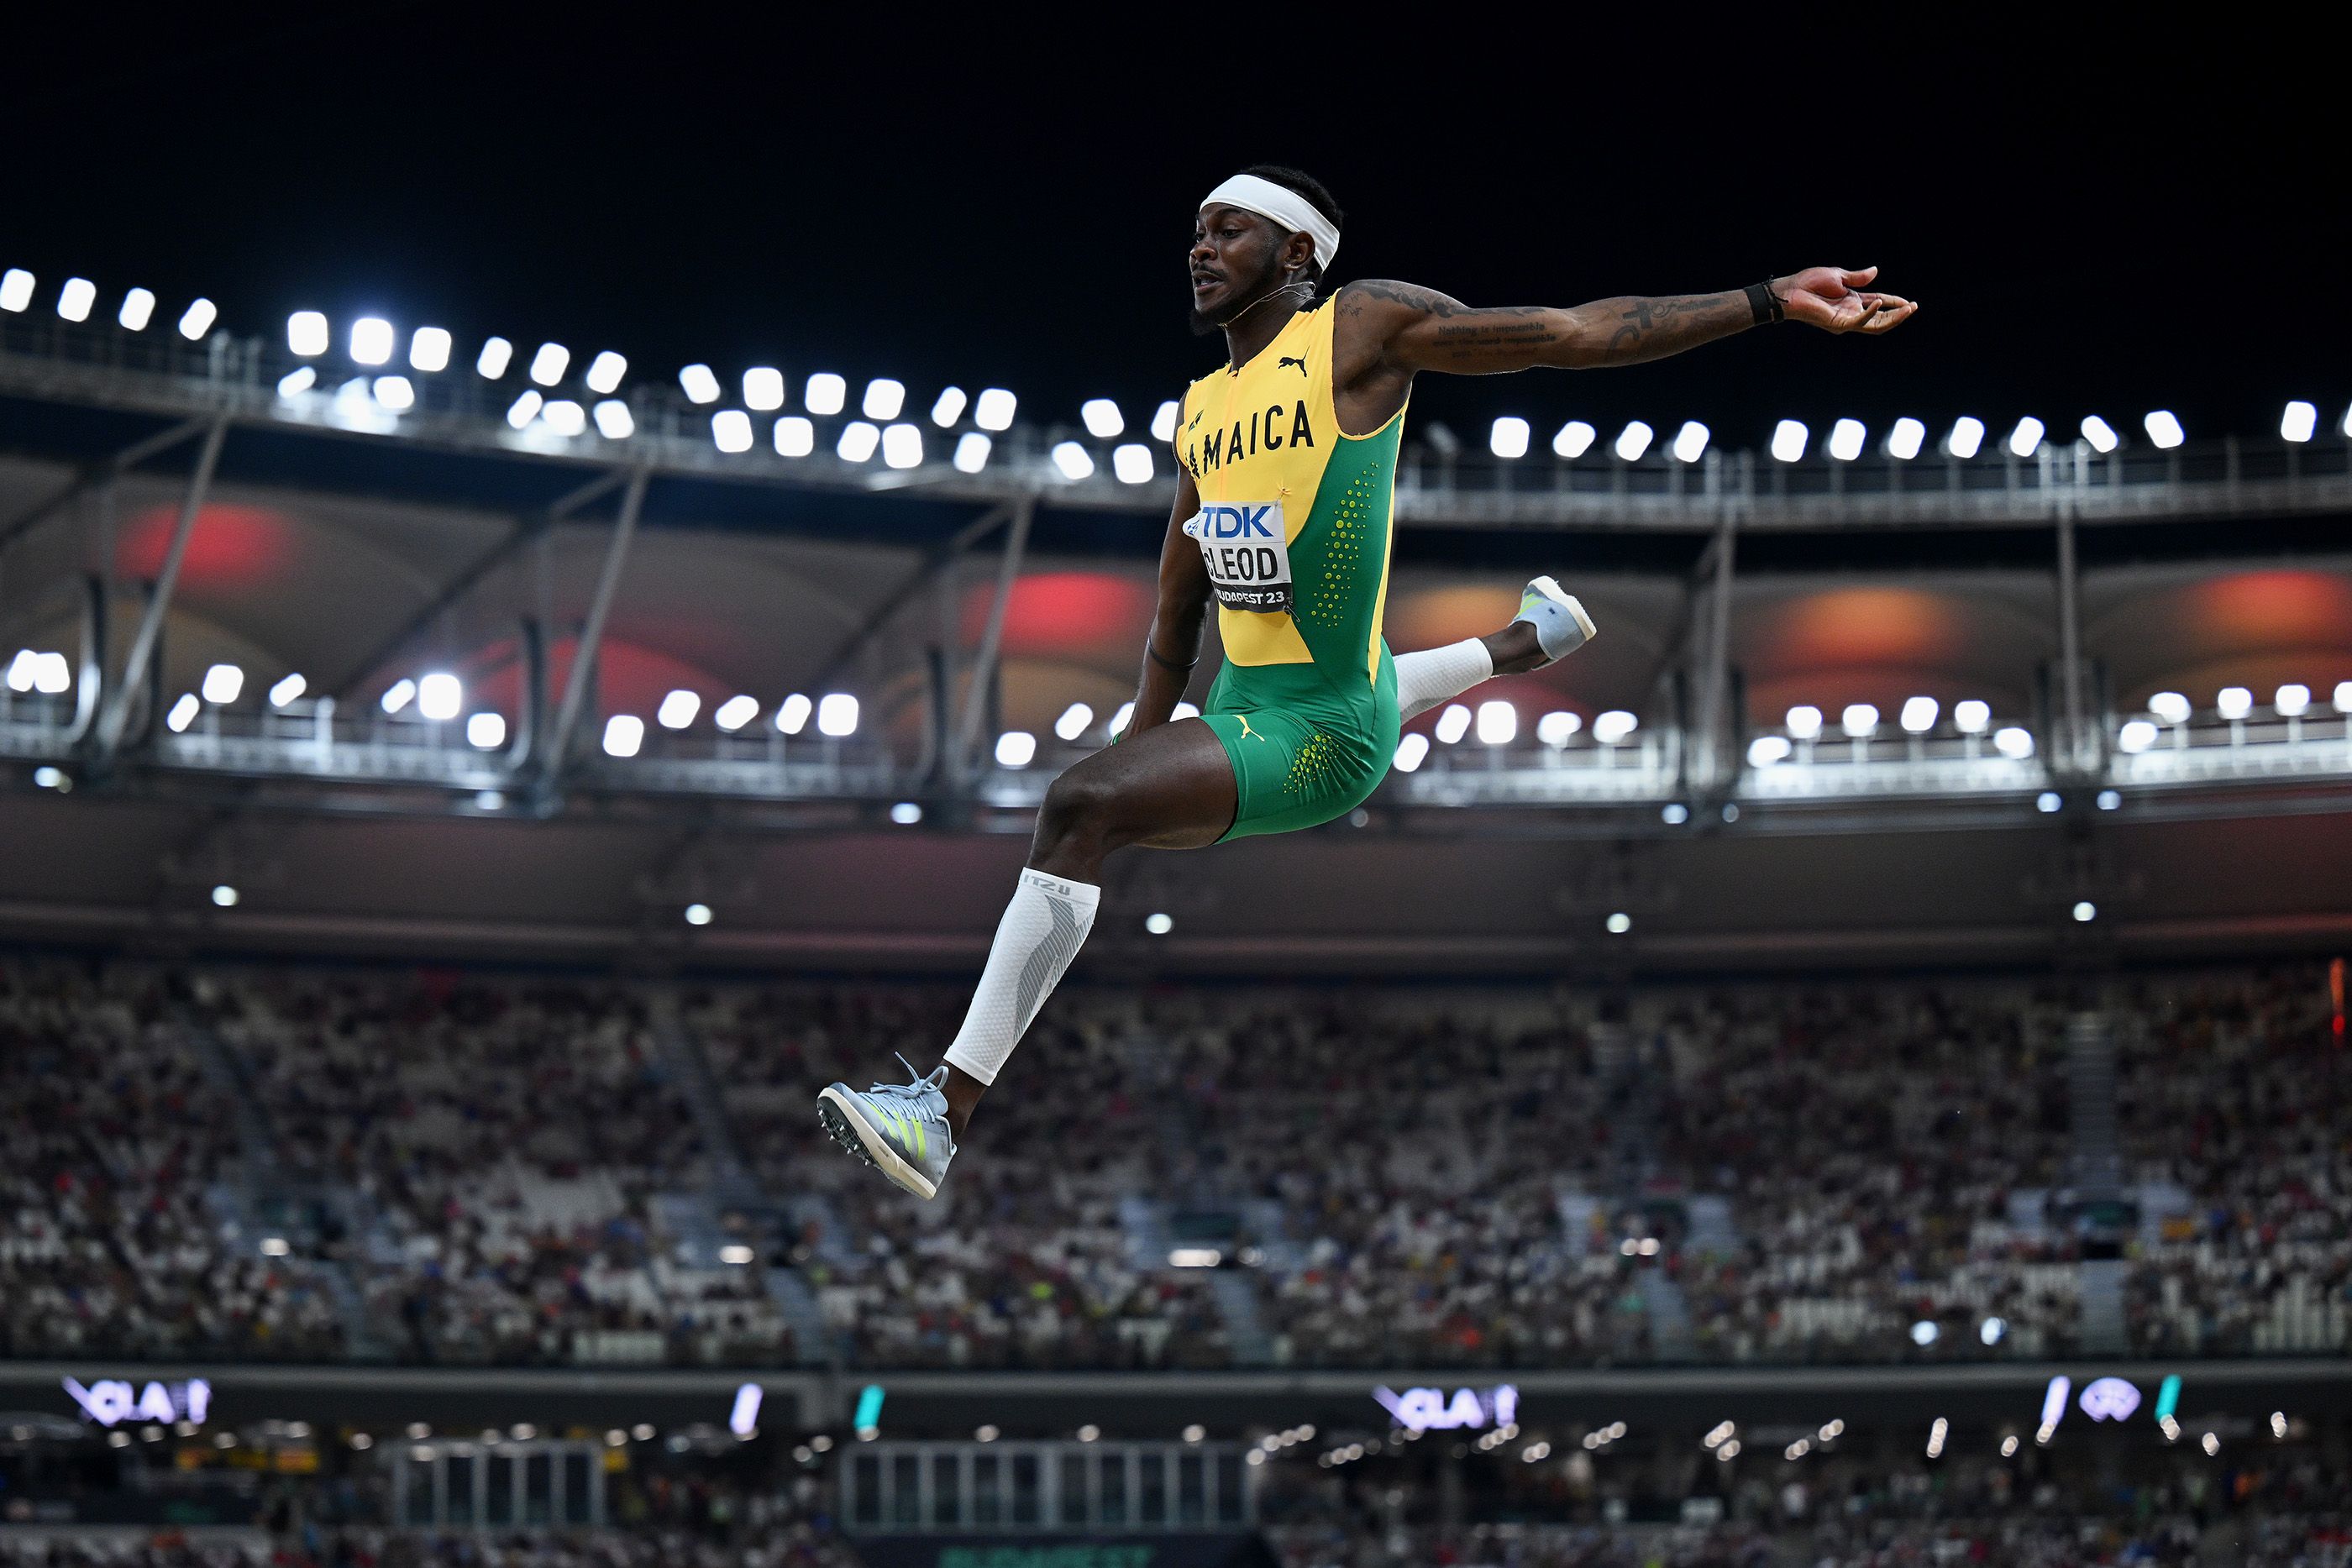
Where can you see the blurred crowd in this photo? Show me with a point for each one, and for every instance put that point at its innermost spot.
(463, 1166)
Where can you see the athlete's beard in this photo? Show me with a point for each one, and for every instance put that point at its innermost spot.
(1205, 326)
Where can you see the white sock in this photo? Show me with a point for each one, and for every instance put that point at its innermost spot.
(1042, 930)
(1436, 674)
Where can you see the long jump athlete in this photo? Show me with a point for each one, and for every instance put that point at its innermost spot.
(1288, 457)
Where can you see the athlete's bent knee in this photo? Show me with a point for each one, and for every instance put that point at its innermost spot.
(1078, 815)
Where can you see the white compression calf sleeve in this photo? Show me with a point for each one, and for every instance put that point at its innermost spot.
(1433, 675)
(1041, 932)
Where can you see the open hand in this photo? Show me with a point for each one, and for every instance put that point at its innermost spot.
(1836, 300)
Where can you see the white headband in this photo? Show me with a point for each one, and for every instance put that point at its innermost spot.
(1284, 206)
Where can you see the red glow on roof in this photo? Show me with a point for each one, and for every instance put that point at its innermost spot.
(1849, 628)
(229, 544)
(2274, 609)
(630, 677)
(1087, 613)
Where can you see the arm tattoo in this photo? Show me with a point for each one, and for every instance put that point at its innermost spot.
(1651, 328)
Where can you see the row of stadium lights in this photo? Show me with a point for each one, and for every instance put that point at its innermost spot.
(373, 341)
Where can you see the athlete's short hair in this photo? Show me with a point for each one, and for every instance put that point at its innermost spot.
(1308, 187)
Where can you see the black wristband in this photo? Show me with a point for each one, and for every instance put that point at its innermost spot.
(1165, 662)
(1765, 304)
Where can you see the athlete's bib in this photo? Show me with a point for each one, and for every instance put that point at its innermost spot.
(1247, 555)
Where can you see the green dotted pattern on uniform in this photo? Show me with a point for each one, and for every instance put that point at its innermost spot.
(1313, 764)
(1351, 525)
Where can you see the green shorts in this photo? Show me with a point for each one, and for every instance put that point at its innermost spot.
(1304, 752)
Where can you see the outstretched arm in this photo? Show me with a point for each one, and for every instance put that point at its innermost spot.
(1406, 328)
(1172, 647)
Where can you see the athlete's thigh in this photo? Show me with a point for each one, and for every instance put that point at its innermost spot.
(1170, 788)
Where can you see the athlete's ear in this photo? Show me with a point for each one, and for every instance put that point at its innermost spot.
(1298, 252)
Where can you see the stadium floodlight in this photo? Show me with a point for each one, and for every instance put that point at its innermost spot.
(288, 689)
(395, 392)
(837, 715)
(604, 373)
(793, 715)
(1972, 717)
(1966, 438)
(613, 420)
(2014, 743)
(1918, 714)
(15, 289)
(1119, 720)
(884, 399)
(699, 914)
(625, 735)
(1073, 722)
(971, 452)
(138, 310)
(1452, 723)
(306, 334)
(2049, 802)
(1789, 438)
(183, 713)
(439, 696)
(1846, 438)
(735, 712)
(1803, 722)
(1903, 442)
(2170, 706)
(1499, 722)
(428, 349)
(1614, 727)
(2025, 440)
(197, 319)
(764, 389)
(52, 676)
(1690, 441)
(398, 694)
(2136, 736)
(492, 361)
(994, 409)
(371, 338)
(1860, 721)
(1555, 727)
(731, 429)
(1412, 751)
(700, 385)
(20, 670)
(1072, 460)
(1101, 417)
(858, 440)
(2100, 433)
(2163, 428)
(2234, 701)
(1508, 438)
(1617, 924)
(2342, 700)
(1015, 748)
(1632, 441)
(75, 300)
(1163, 422)
(548, 365)
(1132, 463)
(1766, 749)
(525, 409)
(2296, 425)
(222, 683)
(225, 897)
(1573, 440)
(296, 381)
(825, 393)
(948, 407)
(796, 436)
(2086, 911)
(2292, 700)
(1160, 923)
(677, 709)
(907, 813)
(902, 445)
(486, 731)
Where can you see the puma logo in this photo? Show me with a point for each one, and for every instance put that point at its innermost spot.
(1286, 360)
(1247, 730)
(1196, 420)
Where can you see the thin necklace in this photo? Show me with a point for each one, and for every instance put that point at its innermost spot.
(1269, 294)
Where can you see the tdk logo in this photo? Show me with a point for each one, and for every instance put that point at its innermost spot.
(1235, 522)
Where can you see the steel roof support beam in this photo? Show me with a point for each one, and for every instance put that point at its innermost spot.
(115, 711)
(992, 640)
(591, 631)
(526, 530)
(1711, 726)
(939, 558)
(102, 472)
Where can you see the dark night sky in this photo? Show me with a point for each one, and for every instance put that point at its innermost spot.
(2092, 222)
